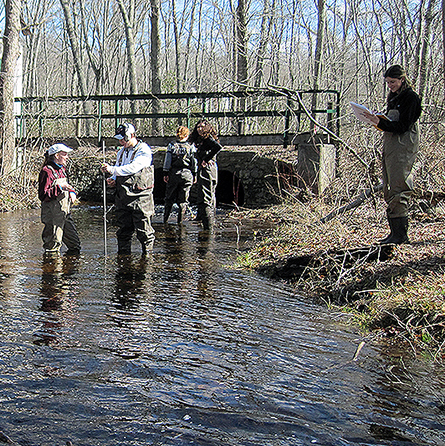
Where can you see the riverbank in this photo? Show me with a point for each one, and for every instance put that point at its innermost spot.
(395, 292)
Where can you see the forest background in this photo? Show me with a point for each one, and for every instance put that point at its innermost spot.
(85, 48)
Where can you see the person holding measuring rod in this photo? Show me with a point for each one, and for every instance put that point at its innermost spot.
(133, 178)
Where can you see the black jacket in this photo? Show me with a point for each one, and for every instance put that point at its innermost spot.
(207, 150)
(408, 104)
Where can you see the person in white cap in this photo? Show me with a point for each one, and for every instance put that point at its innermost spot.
(57, 197)
(133, 178)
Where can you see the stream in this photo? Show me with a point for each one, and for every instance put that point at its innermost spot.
(181, 349)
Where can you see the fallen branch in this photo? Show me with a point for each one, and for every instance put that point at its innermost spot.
(357, 202)
(296, 96)
(5, 439)
(359, 348)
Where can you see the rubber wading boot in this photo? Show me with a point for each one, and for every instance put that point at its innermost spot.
(181, 212)
(73, 252)
(147, 248)
(167, 211)
(124, 247)
(51, 254)
(384, 241)
(399, 231)
(208, 219)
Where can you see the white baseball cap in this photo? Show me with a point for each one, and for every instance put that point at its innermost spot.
(56, 148)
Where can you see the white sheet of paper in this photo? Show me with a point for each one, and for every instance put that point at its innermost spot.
(359, 112)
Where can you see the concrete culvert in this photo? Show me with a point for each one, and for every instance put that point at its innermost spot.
(230, 189)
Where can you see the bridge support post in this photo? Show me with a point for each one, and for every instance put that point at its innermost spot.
(316, 167)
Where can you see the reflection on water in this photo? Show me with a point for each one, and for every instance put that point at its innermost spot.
(177, 349)
(56, 296)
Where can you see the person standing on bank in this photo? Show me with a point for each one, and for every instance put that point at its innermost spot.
(57, 197)
(207, 144)
(400, 148)
(133, 178)
(179, 173)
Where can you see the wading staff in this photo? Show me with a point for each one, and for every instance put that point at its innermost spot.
(105, 200)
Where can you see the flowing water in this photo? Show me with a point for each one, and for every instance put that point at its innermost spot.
(179, 349)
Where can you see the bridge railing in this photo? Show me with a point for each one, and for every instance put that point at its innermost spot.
(253, 117)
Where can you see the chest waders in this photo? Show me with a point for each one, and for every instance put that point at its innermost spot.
(399, 155)
(206, 199)
(59, 226)
(135, 207)
(180, 180)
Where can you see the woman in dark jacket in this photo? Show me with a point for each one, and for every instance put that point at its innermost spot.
(57, 197)
(179, 173)
(400, 148)
(207, 146)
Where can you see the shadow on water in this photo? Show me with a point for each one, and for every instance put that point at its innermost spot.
(177, 348)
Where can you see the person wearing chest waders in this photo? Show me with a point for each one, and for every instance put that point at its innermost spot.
(207, 146)
(400, 148)
(57, 197)
(179, 173)
(133, 178)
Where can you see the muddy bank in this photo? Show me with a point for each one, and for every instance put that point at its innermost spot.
(395, 291)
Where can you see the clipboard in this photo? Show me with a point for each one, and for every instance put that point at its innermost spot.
(359, 111)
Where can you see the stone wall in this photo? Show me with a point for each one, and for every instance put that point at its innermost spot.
(255, 180)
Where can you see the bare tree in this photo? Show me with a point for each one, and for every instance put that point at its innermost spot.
(264, 40)
(155, 62)
(241, 45)
(177, 46)
(424, 48)
(95, 29)
(188, 55)
(11, 52)
(74, 41)
(319, 49)
(35, 15)
(443, 44)
(204, 46)
(241, 58)
(128, 19)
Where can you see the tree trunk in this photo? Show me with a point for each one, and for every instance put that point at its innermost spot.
(77, 57)
(318, 49)
(424, 53)
(74, 42)
(187, 54)
(177, 47)
(11, 52)
(177, 56)
(241, 58)
(241, 45)
(98, 66)
(443, 45)
(155, 63)
(127, 17)
(264, 40)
